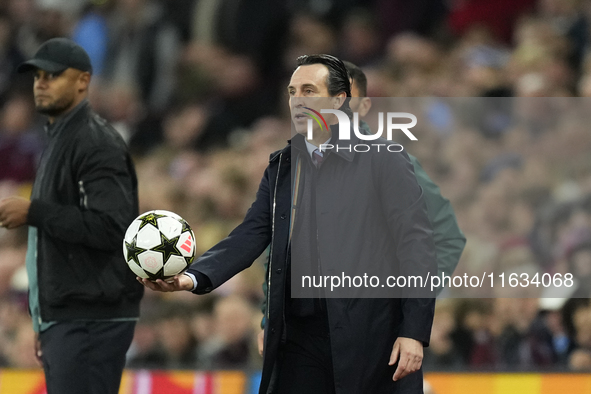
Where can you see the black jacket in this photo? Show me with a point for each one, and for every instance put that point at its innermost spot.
(362, 330)
(83, 199)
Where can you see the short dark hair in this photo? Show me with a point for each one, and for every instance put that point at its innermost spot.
(358, 76)
(338, 77)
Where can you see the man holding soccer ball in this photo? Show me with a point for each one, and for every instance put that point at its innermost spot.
(84, 302)
(330, 345)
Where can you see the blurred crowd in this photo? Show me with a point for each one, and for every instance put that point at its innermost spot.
(197, 89)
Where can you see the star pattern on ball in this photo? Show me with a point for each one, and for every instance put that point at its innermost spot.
(167, 247)
(133, 251)
(157, 275)
(186, 226)
(151, 218)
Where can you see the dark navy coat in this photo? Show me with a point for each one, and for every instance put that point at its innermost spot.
(362, 330)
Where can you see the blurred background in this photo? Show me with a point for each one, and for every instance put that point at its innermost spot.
(198, 90)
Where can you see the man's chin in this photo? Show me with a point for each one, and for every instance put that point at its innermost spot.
(47, 110)
(300, 128)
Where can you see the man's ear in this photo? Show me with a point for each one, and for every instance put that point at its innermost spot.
(339, 100)
(364, 106)
(83, 81)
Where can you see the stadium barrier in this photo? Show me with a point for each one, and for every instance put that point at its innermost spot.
(238, 382)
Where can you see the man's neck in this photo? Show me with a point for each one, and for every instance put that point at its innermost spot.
(320, 138)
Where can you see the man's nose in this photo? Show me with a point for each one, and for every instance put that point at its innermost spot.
(40, 83)
(297, 100)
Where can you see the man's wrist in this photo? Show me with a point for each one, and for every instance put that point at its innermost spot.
(193, 281)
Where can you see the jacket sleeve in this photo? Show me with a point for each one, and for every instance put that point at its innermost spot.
(107, 202)
(242, 247)
(449, 239)
(406, 214)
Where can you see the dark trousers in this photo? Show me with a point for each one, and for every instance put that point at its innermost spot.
(306, 361)
(85, 357)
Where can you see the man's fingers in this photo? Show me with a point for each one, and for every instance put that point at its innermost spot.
(149, 284)
(167, 286)
(416, 364)
(410, 354)
(261, 341)
(395, 353)
(38, 357)
(159, 284)
(408, 364)
(401, 370)
(13, 212)
(38, 352)
(141, 280)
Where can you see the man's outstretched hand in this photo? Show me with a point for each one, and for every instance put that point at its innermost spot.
(178, 283)
(410, 352)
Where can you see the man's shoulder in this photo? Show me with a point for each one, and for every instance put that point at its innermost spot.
(96, 133)
(274, 157)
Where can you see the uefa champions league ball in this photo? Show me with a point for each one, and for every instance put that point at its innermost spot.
(159, 245)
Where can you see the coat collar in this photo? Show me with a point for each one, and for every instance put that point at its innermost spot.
(62, 121)
(275, 155)
(344, 151)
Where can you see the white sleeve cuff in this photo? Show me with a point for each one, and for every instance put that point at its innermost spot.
(190, 275)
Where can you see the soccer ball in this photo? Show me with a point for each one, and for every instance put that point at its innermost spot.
(159, 245)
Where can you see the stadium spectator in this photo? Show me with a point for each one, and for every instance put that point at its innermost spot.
(232, 342)
(179, 346)
(143, 51)
(21, 142)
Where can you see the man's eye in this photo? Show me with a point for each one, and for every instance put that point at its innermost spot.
(54, 75)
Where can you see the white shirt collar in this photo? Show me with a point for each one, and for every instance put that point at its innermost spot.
(311, 147)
